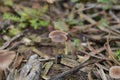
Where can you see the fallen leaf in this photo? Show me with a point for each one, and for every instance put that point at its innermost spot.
(69, 62)
(18, 62)
(82, 59)
(47, 67)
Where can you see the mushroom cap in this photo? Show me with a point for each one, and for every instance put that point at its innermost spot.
(6, 57)
(58, 36)
(57, 32)
(114, 72)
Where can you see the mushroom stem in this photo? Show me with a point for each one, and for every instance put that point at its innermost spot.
(66, 48)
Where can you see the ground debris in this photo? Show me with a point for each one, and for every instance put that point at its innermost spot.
(91, 46)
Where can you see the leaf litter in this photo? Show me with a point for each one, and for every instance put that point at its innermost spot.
(92, 44)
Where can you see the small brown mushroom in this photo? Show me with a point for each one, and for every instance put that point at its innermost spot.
(6, 57)
(58, 36)
(114, 72)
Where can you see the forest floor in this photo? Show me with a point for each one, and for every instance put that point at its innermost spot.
(87, 46)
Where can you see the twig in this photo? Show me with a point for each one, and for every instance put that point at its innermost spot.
(99, 6)
(89, 19)
(44, 60)
(73, 70)
(6, 44)
(15, 45)
(87, 8)
(103, 58)
(102, 74)
(114, 16)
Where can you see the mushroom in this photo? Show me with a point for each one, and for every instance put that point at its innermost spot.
(6, 57)
(59, 37)
(114, 72)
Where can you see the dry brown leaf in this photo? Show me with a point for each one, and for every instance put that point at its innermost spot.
(82, 58)
(90, 76)
(18, 62)
(69, 62)
(40, 53)
(4, 9)
(47, 67)
(36, 6)
(111, 54)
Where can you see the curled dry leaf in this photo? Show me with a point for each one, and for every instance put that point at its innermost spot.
(6, 57)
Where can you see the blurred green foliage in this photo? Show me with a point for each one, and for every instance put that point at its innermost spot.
(117, 54)
(108, 3)
(8, 2)
(76, 42)
(14, 31)
(102, 24)
(28, 17)
(61, 25)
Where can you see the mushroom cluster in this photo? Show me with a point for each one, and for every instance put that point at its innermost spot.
(114, 72)
(58, 36)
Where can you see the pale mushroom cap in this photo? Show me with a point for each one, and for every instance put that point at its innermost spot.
(57, 32)
(114, 72)
(6, 57)
(58, 36)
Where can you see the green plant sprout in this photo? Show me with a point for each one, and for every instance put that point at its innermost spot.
(117, 54)
(76, 42)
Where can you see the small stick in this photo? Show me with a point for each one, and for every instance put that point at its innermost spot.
(101, 6)
(6, 44)
(114, 16)
(73, 70)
